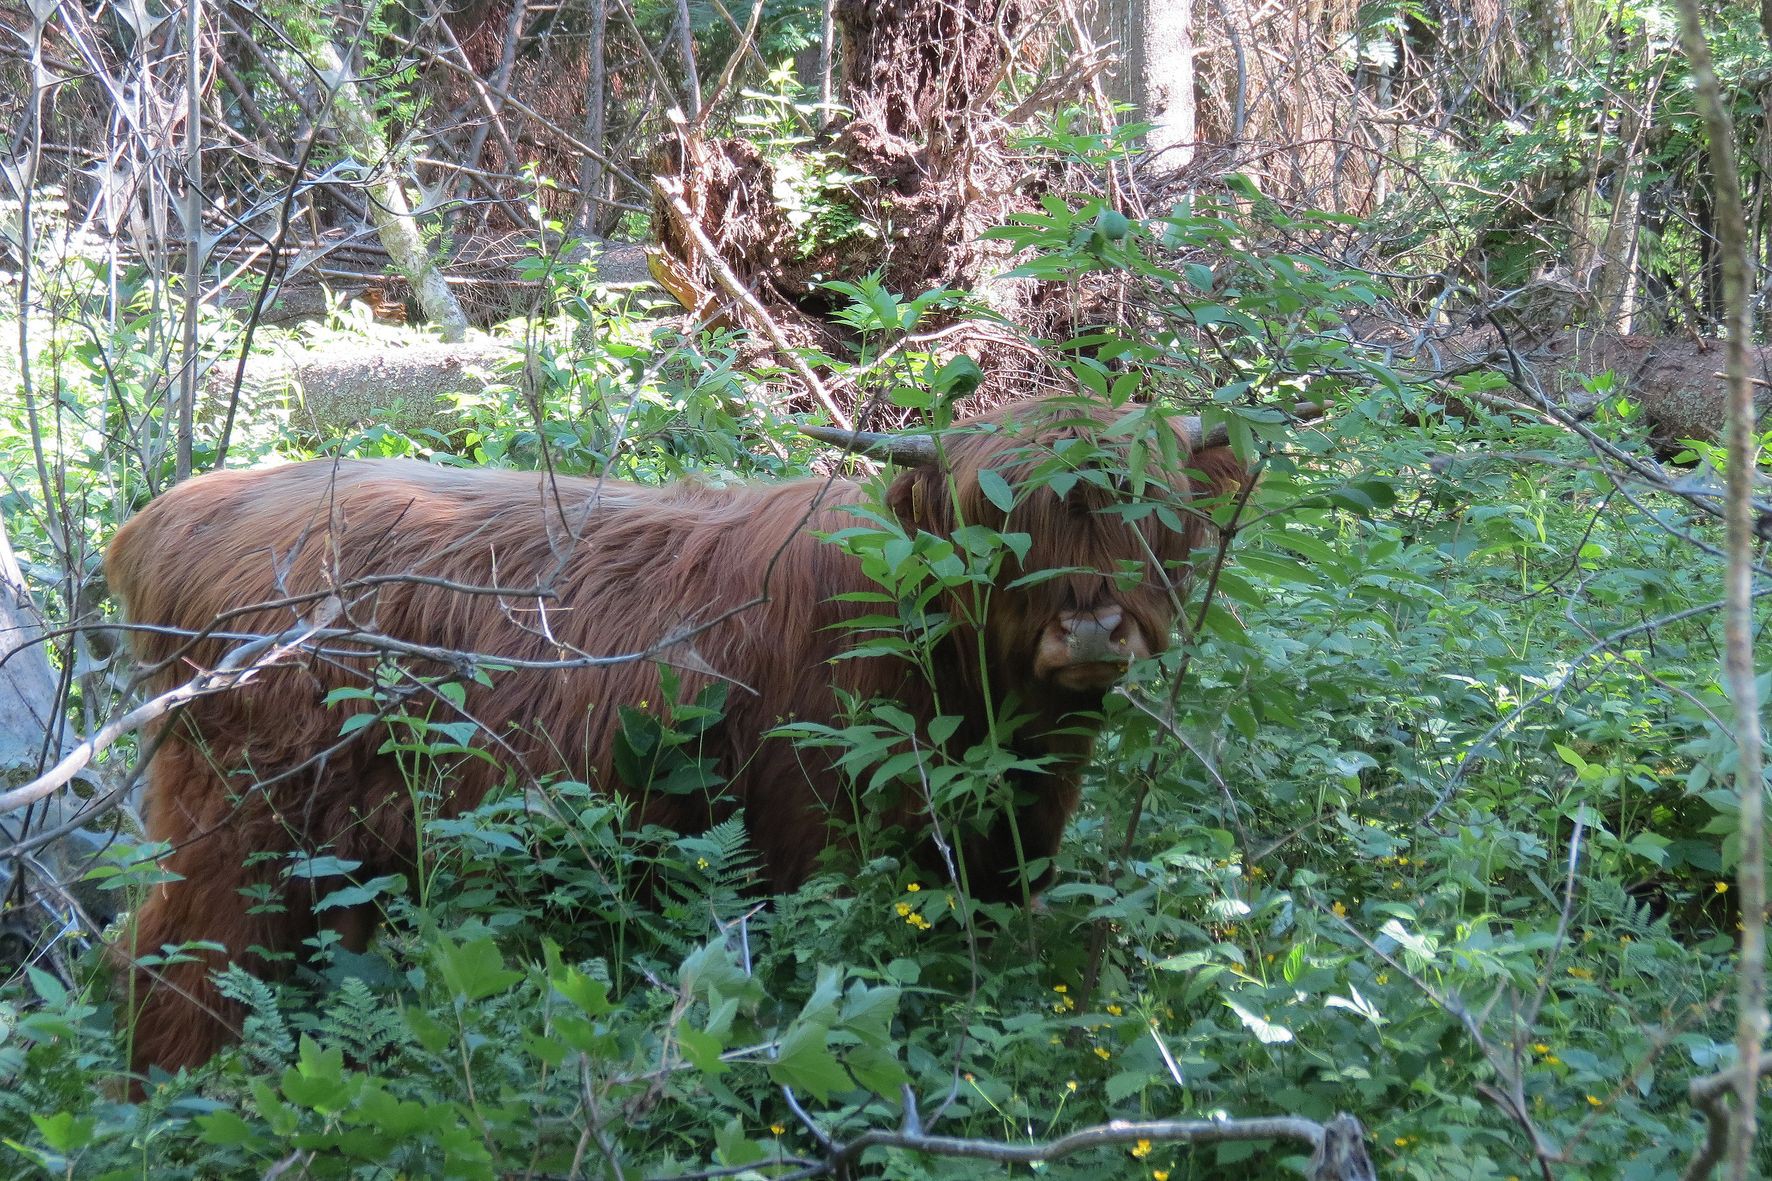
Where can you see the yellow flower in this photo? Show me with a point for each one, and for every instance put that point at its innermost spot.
(1722, 887)
(1396, 883)
(912, 888)
(1593, 1102)
(1540, 1048)
(918, 921)
(1060, 988)
(1624, 939)
(1102, 1053)
(1159, 1175)
(1338, 910)
(1400, 1141)
(904, 908)
(776, 1129)
(1581, 973)
(1256, 871)
(1384, 977)
(1552, 1060)
(701, 863)
(970, 1078)
(1114, 1010)
(1071, 1086)
(1142, 1149)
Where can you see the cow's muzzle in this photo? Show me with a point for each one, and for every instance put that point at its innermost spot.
(1087, 651)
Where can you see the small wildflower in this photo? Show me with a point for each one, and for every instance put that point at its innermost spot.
(1581, 973)
(1159, 1175)
(1594, 1101)
(1071, 1085)
(918, 921)
(1384, 977)
(1338, 910)
(776, 1129)
(904, 908)
(1102, 1053)
(1256, 872)
(970, 1077)
(1540, 1048)
(1400, 1141)
(1142, 1149)
(1396, 883)
(1552, 1060)
(1114, 1010)
(912, 888)
(1722, 887)
(701, 863)
(1625, 939)
(1060, 988)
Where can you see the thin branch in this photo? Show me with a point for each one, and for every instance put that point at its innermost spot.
(1738, 595)
(672, 191)
(240, 665)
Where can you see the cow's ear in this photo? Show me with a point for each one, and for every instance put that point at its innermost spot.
(1216, 471)
(914, 496)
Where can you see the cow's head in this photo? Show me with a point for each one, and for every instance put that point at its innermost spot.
(1107, 539)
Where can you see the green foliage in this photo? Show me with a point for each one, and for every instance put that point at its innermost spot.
(1429, 806)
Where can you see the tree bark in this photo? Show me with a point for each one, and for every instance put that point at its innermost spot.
(1161, 58)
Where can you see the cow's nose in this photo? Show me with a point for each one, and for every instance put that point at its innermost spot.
(1088, 650)
(1102, 636)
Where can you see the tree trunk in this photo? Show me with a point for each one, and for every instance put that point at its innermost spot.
(1161, 61)
(388, 210)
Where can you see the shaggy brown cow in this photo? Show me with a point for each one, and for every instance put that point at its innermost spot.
(263, 768)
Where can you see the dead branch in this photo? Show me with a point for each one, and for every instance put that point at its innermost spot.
(239, 666)
(672, 191)
(1338, 1147)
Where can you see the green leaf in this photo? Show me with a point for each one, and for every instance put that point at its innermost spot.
(1265, 1031)
(996, 489)
(475, 970)
(64, 1131)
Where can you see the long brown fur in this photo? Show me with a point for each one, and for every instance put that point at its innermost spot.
(263, 769)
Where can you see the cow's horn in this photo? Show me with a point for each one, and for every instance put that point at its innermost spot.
(904, 450)
(1200, 439)
(1194, 434)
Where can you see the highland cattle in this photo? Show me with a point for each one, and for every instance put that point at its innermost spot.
(731, 582)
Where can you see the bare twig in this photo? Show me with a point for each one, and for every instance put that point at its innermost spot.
(240, 665)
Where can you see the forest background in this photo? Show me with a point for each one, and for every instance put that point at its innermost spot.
(1446, 814)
